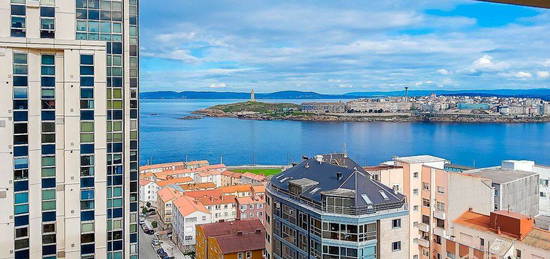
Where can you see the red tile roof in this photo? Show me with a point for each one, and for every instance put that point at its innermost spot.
(143, 182)
(167, 194)
(256, 177)
(231, 227)
(180, 180)
(250, 200)
(224, 199)
(507, 224)
(198, 186)
(241, 242)
(155, 166)
(187, 205)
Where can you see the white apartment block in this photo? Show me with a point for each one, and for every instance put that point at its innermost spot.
(68, 129)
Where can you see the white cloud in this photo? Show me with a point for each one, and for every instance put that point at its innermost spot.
(543, 74)
(423, 83)
(218, 85)
(523, 75)
(443, 71)
(325, 46)
(486, 64)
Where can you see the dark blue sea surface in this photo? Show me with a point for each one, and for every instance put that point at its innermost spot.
(166, 138)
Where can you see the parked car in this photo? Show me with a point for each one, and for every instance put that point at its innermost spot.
(141, 220)
(149, 231)
(156, 242)
(162, 253)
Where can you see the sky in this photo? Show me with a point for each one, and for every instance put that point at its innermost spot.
(340, 46)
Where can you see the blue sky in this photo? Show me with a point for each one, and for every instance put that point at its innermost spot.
(339, 46)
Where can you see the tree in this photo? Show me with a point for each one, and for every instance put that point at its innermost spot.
(144, 210)
(154, 224)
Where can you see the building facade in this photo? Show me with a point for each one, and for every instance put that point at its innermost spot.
(232, 240)
(515, 190)
(251, 207)
(500, 234)
(187, 215)
(328, 207)
(69, 129)
(436, 197)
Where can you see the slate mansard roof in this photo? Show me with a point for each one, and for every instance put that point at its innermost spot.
(337, 175)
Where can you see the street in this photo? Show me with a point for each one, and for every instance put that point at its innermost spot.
(148, 252)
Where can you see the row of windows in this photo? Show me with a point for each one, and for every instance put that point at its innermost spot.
(87, 150)
(20, 153)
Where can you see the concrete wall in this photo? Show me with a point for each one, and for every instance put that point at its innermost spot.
(466, 192)
(388, 235)
(521, 196)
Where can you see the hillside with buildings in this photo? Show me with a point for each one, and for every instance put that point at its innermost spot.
(422, 108)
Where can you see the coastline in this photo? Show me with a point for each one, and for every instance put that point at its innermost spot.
(450, 118)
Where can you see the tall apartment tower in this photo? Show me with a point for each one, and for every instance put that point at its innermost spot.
(329, 207)
(69, 129)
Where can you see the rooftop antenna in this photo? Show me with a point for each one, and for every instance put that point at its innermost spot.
(406, 93)
(221, 159)
(186, 158)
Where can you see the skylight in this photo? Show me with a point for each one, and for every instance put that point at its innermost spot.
(384, 195)
(366, 198)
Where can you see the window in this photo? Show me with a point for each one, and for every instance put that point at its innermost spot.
(396, 246)
(18, 20)
(426, 203)
(440, 189)
(518, 253)
(425, 186)
(415, 207)
(47, 22)
(440, 206)
(415, 174)
(481, 242)
(437, 239)
(396, 223)
(415, 191)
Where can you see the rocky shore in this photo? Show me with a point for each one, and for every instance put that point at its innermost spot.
(266, 111)
(463, 118)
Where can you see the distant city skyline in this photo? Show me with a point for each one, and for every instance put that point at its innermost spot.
(342, 47)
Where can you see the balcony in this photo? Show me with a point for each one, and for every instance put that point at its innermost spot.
(422, 242)
(439, 214)
(423, 227)
(439, 231)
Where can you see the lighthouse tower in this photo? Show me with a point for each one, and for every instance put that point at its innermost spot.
(252, 96)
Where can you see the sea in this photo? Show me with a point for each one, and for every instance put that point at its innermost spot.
(165, 137)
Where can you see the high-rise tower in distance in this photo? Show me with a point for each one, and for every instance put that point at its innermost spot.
(69, 129)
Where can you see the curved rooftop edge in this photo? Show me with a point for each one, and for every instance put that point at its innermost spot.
(333, 183)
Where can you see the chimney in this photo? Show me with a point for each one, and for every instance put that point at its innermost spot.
(319, 158)
(338, 176)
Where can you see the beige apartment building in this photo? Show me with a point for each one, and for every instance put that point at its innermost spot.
(433, 201)
(68, 129)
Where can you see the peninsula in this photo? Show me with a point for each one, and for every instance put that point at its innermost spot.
(393, 109)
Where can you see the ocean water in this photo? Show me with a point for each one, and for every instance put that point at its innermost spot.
(166, 138)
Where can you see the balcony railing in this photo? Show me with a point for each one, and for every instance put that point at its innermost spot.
(423, 227)
(422, 242)
(353, 211)
(439, 214)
